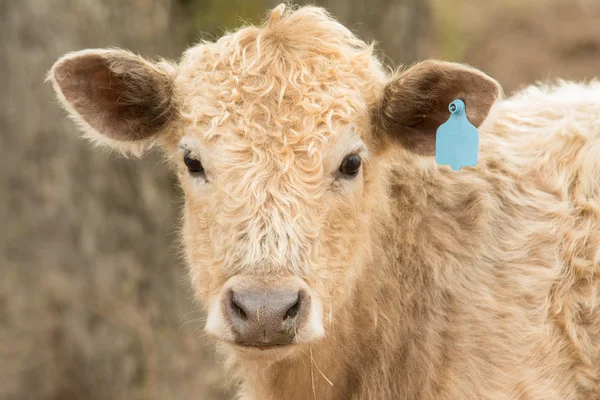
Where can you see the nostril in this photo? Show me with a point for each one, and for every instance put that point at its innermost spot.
(237, 309)
(292, 312)
(294, 309)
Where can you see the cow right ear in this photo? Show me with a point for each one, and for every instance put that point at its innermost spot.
(415, 101)
(117, 98)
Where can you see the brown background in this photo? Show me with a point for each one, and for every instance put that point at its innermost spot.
(93, 300)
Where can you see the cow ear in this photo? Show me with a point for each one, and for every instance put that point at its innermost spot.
(116, 97)
(415, 101)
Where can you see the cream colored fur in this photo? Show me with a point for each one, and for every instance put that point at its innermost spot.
(435, 284)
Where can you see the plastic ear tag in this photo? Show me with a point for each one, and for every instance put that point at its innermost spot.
(457, 140)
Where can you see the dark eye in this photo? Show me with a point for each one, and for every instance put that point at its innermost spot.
(350, 165)
(194, 166)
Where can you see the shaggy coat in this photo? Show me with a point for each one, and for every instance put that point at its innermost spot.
(426, 283)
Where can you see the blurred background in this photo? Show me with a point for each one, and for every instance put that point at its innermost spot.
(94, 302)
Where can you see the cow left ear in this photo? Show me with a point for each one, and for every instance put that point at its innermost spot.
(118, 98)
(415, 101)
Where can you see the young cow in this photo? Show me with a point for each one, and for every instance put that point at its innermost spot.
(335, 258)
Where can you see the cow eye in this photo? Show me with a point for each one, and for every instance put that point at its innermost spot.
(350, 166)
(193, 165)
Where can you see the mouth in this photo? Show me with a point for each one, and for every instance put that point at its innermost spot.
(261, 351)
(260, 346)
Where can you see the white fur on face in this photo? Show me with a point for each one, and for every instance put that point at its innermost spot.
(216, 325)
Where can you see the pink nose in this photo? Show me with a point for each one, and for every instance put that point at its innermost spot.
(266, 318)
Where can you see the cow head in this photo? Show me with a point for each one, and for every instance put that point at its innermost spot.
(278, 135)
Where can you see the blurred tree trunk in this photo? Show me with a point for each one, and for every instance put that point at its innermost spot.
(91, 293)
(398, 26)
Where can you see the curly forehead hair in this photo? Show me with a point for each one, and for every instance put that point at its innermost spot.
(297, 74)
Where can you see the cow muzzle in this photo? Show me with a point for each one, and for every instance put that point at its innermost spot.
(266, 314)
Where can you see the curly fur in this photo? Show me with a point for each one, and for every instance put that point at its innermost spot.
(435, 284)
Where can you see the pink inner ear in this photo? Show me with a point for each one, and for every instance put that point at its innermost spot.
(86, 84)
(102, 86)
(111, 103)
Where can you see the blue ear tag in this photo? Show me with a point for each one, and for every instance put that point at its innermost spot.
(457, 140)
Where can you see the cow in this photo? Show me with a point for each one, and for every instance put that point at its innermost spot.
(334, 257)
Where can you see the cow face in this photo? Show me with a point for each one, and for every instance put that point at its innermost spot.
(277, 136)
